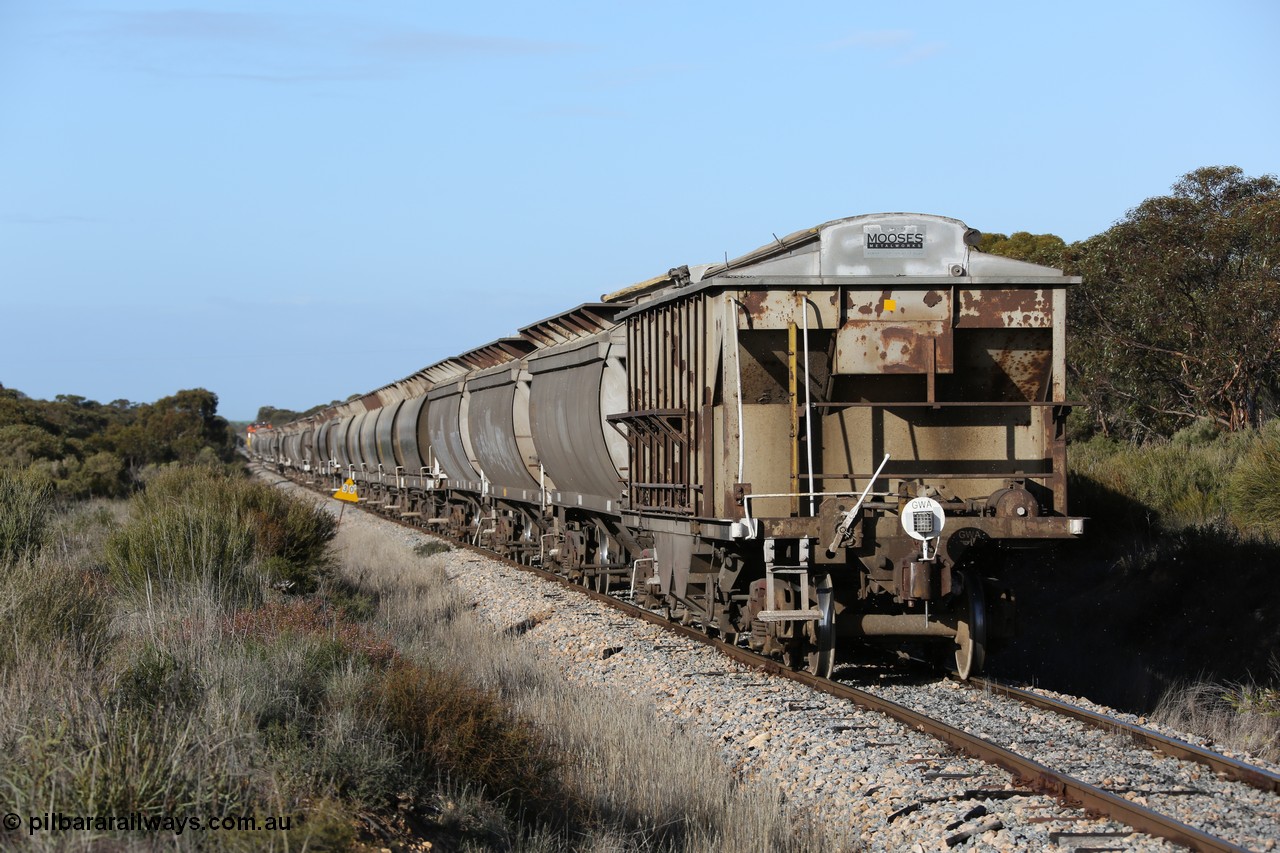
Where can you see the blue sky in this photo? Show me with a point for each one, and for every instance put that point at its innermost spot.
(290, 202)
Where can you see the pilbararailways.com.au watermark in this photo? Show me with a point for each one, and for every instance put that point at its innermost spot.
(138, 822)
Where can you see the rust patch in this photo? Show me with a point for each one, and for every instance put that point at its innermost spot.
(901, 343)
(865, 347)
(932, 298)
(754, 303)
(1005, 308)
(1027, 369)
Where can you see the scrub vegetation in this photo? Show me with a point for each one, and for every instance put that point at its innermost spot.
(84, 449)
(206, 650)
(1238, 716)
(1193, 528)
(1202, 477)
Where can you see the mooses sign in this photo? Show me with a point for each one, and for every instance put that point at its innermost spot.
(885, 241)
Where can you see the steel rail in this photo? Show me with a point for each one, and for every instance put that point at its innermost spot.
(1032, 774)
(1224, 766)
(1037, 777)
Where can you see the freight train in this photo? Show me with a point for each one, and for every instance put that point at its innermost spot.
(834, 440)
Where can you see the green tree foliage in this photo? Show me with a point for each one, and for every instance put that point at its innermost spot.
(87, 448)
(1044, 249)
(1179, 315)
(21, 444)
(272, 415)
(173, 429)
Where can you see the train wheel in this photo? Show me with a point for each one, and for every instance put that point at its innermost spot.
(971, 629)
(821, 654)
(603, 556)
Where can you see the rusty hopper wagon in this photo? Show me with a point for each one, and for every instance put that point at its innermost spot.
(831, 440)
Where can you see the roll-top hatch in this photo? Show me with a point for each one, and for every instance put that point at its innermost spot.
(587, 319)
(493, 377)
(878, 244)
(590, 348)
(497, 352)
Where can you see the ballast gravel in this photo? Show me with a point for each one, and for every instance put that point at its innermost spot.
(1189, 792)
(864, 775)
(869, 778)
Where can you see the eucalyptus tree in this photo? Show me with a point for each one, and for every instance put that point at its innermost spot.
(1179, 315)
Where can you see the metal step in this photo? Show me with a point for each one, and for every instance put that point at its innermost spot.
(802, 572)
(789, 615)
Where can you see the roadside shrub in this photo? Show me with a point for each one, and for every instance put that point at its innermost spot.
(43, 607)
(95, 760)
(26, 501)
(101, 475)
(57, 601)
(463, 733)
(342, 754)
(169, 543)
(1254, 490)
(156, 679)
(1176, 483)
(204, 526)
(291, 534)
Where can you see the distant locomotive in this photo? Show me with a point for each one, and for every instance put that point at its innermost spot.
(832, 438)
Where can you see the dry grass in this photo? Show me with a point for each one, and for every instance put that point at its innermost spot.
(161, 713)
(147, 666)
(636, 785)
(1242, 718)
(178, 702)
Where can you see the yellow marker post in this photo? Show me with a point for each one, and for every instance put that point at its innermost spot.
(347, 492)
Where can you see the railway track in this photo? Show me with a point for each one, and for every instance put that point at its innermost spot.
(1030, 774)
(1224, 766)
(1155, 783)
